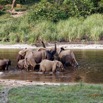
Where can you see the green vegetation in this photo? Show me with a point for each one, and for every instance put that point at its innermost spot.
(80, 93)
(25, 30)
(52, 20)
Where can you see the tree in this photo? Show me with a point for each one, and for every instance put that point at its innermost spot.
(13, 5)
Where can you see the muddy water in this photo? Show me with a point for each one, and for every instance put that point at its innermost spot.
(90, 68)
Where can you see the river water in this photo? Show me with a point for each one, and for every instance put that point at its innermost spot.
(90, 68)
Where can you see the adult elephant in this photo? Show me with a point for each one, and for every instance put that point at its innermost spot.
(33, 57)
(67, 57)
(4, 64)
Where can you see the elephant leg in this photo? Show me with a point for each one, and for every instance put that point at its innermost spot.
(53, 71)
(40, 70)
(43, 71)
(54, 68)
(3, 67)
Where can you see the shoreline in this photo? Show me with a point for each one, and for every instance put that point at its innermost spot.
(65, 45)
(17, 83)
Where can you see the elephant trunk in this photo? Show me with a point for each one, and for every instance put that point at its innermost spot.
(43, 44)
(54, 51)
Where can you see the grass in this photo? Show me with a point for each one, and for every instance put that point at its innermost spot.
(28, 31)
(80, 93)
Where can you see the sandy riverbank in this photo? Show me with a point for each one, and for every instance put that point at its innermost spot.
(16, 83)
(65, 45)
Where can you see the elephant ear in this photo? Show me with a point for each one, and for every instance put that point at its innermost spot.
(49, 55)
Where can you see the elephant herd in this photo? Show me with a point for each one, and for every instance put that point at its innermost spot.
(49, 59)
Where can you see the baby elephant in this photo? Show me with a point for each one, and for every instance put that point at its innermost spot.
(20, 64)
(4, 64)
(47, 65)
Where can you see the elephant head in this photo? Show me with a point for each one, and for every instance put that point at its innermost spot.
(59, 65)
(22, 54)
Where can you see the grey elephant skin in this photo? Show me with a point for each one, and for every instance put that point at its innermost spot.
(33, 57)
(47, 66)
(4, 64)
(21, 64)
(67, 57)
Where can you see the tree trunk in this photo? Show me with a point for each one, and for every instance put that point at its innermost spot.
(13, 5)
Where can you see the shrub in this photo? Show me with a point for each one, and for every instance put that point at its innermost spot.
(47, 11)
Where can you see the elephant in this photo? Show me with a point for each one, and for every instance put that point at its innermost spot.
(67, 57)
(20, 64)
(4, 64)
(48, 65)
(33, 57)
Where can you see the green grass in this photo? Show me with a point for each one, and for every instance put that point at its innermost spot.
(21, 30)
(80, 93)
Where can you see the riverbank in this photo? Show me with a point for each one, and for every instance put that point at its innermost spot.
(65, 45)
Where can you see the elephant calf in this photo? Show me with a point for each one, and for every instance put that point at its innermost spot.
(4, 64)
(47, 65)
(20, 64)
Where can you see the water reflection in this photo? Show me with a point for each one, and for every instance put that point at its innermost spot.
(90, 68)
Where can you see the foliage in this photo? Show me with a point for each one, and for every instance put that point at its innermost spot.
(80, 7)
(51, 20)
(72, 29)
(47, 11)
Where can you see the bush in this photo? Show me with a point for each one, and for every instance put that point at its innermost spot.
(47, 11)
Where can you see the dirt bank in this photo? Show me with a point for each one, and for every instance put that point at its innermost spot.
(16, 83)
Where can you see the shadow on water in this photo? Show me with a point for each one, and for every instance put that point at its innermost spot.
(90, 68)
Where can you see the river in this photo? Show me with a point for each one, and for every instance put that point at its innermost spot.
(90, 68)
